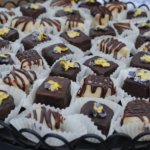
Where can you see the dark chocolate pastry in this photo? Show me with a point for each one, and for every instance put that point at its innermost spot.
(141, 60)
(20, 78)
(67, 12)
(122, 26)
(100, 114)
(136, 13)
(66, 68)
(34, 39)
(54, 91)
(4, 43)
(75, 22)
(115, 47)
(6, 104)
(9, 34)
(101, 66)
(32, 10)
(6, 59)
(136, 111)
(97, 86)
(102, 15)
(61, 3)
(4, 16)
(137, 83)
(89, 4)
(54, 52)
(48, 117)
(78, 39)
(102, 30)
(23, 23)
(29, 59)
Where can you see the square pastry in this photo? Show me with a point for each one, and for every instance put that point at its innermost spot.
(29, 59)
(66, 68)
(54, 91)
(78, 39)
(101, 66)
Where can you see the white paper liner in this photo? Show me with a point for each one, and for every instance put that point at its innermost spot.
(31, 96)
(18, 96)
(75, 108)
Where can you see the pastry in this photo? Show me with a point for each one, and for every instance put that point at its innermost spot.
(6, 59)
(61, 3)
(137, 13)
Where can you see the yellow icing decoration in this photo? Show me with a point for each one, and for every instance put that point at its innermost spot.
(53, 85)
(138, 12)
(3, 96)
(68, 9)
(143, 74)
(60, 49)
(73, 34)
(34, 6)
(98, 108)
(4, 31)
(3, 55)
(41, 37)
(101, 62)
(145, 58)
(101, 26)
(67, 64)
(90, 1)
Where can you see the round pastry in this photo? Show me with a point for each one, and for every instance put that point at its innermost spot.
(99, 113)
(6, 59)
(6, 104)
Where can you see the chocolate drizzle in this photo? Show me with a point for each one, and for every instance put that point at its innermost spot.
(4, 15)
(61, 3)
(52, 119)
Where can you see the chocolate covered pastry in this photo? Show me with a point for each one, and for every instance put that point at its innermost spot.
(141, 60)
(101, 14)
(34, 39)
(66, 68)
(101, 66)
(101, 30)
(9, 34)
(78, 39)
(137, 83)
(6, 104)
(61, 3)
(122, 26)
(4, 44)
(136, 111)
(23, 23)
(136, 13)
(97, 86)
(54, 91)
(47, 117)
(20, 78)
(115, 47)
(6, 59)
(55, 52)
(144, 27)
(29, 59)
(100, 114)
(33, 10)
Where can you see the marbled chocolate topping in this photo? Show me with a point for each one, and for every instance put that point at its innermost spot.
(105, 83)
(121, 27)
(116, 6)
(20, 78)
(29, 58)
(61, 3)
(74, 21)
(111, 45)
(137, 108)
(4, 15)
(51, 119)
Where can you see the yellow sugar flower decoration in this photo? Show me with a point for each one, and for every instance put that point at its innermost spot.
(68, 9)
(34, 6)
(3, 96)
(3, 56)
(68, 64)
(145, 58)
(60, 49)
(73, 34)
(4, 31)
(101, 62)
(138, 12)
(98, 108)
(144, 74)
(53, 85)
(41, 37)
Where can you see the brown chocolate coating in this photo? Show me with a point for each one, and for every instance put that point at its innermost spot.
(99, 70)
(89, 5)
(83, 41)
(51, 56)
(62, 13)
(60, 98)
(138, 63)
(71, 73)
(4, 43)
(95, 82)
(34, 13)
(95, 32)
(6, 106)
(7, 60)
(103, 123)
(32, 40)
